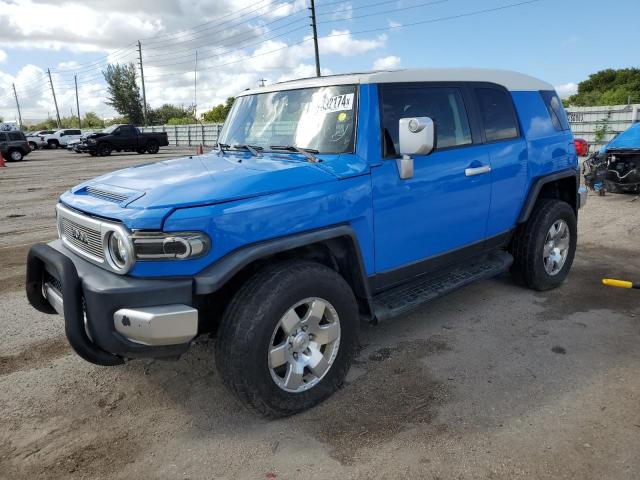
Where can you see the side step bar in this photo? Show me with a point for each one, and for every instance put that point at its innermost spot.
(409, 296)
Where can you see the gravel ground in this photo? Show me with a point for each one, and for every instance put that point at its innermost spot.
(492, 381)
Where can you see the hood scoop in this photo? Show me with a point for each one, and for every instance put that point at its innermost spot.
(110, 193)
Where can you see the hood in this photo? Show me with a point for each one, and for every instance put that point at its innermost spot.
(200, 180)
(627, 140)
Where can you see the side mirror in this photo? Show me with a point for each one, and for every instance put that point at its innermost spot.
(62, 134)
(417, 136)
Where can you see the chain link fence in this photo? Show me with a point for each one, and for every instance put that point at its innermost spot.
(189, 135)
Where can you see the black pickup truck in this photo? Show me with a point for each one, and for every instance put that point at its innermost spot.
(123, 138)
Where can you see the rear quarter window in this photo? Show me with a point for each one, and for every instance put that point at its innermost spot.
(497, 113)
(16, 136)
(555, 109)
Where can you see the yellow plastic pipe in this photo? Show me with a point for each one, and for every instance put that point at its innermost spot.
(610, 282)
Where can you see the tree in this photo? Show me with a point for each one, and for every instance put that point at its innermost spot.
(167, 112)
(608, 87)
(218, 114)
(124, 94)
(91, 120)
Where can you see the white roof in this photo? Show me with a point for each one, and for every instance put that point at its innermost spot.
(513, 81)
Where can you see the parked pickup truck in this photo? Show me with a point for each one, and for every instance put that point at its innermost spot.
(126, 138)
(330, 200)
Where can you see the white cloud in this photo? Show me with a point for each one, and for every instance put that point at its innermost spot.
(3, 56)
(394, 24)
(230, 59)
(567, 89)
(387, 63)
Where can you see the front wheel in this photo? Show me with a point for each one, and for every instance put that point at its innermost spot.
(53, 145)
(16, 155)
(288, 337)
(544, 247)
(104, 150)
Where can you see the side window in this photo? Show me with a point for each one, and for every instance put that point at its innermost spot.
(497, 113)
(15, 136)
(3, 137)
(556, 110)
(443, 104)
(73, 132)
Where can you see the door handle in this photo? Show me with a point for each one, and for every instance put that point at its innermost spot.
(470, 172)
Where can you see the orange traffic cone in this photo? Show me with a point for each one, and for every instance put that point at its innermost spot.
(200, 150)
(2, 163)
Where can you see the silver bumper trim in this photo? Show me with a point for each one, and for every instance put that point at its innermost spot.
(156, 326)
(153, 326)
(582, 196)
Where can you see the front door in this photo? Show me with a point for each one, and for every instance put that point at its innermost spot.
(445, 205)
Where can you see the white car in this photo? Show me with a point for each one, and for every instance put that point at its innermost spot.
(60, 138)
(38, 139)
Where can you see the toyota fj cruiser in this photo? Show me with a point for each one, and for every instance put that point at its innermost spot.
(328, 201)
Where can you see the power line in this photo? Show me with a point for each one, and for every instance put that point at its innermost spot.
(400, 9)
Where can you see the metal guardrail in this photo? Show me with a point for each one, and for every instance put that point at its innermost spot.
(205, 134)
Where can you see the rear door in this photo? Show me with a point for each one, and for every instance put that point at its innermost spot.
(444, 207)
(507, 151)
(4, 145)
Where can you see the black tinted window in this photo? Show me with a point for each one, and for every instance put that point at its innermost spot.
(497, 114)
(444, 105)
(556, 110)
(73, 132)
(3, 137)
(15, 136)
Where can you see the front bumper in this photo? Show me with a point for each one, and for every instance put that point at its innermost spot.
(108, 317)
(582, 196)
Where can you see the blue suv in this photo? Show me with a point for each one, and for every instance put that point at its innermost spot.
(328, 201)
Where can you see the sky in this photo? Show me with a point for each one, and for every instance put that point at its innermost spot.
(242, 42)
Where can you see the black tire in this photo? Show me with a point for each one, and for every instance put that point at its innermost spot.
(153, 147)
(93, 154)
(104, 149)
(53, 145)
(246, 331)
(528, 245)
(15, 156)
(141, 151)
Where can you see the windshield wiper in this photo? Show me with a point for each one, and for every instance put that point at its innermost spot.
(222, 147)
(307, 152)
(251, 148)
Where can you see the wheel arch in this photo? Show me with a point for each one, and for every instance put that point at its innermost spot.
(561, 185)
(335, 247)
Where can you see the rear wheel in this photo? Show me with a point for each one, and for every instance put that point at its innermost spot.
(288, 337)
(53, 144)
(93, 154)
(544, 247)
(153, 147)
(141, 151)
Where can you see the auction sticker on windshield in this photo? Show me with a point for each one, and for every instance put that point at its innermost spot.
(337, 103)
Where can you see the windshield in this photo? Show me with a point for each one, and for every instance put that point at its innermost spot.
(110, 129)
(321, 118)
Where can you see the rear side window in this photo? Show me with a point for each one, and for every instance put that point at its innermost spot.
(444, 105)
(497, 113)
(73, 132)
(15, 136)
(3, 137)
(556, 110)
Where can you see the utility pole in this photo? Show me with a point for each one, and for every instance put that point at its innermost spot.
(17, 105)
(262, 82)
(315, 36)
(144, 92)
(55, 102)
(75, 78)
(195, 87)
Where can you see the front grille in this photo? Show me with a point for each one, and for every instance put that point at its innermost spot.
(83, 238)
(106, 195)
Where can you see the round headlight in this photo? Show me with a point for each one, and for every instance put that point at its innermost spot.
(119, 252)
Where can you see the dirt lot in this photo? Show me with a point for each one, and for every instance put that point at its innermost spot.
(490, 382)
